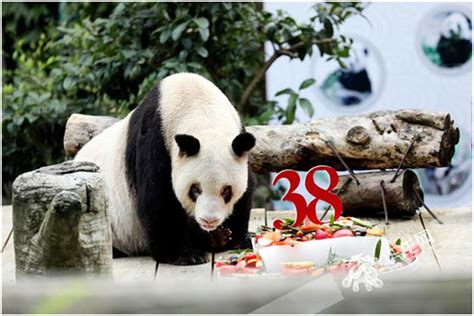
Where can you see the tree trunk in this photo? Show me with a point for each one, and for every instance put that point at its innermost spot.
(366, 199)
(372, 141)
(59, 221)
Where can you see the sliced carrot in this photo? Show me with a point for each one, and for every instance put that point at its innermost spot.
(310, 227)
(286, 242)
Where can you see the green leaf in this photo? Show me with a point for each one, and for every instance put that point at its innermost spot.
(307, 83)
(271, 32)
(68, 83)
(344, 53)
(288, 221)
(285, 91)
(398, 242)
(378, 247)
(307, 107)
(331, 220)
(202, 51)
(341, 64)
(265, 116)
(204, 32)
(301, 52)
(291, 109)
(202, 22)
(187, 43)
(165, 35)
(179, 30)
(328, 28)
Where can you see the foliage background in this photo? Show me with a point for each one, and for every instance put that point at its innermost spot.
(102, 58)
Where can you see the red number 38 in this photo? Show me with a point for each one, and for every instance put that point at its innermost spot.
(304, 210)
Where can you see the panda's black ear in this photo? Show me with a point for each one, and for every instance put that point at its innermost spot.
(243, 143)
(188, 145)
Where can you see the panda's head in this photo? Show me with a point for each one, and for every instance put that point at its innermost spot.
(209, 178)
(357, 60)
(456, 25)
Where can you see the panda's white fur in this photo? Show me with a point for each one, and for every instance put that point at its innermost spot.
(188, 104)
(199, 108)
(107, 150)
(456, 23)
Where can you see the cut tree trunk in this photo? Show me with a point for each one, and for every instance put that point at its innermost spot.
(372, 141)
(366, 199)
(60, 222)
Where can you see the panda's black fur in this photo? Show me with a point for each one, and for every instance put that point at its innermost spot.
(172, 236)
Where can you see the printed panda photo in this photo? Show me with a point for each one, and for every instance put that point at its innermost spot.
(180, 159)
(358, 83)
(445, 38)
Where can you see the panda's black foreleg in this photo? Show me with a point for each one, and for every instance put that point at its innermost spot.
(168, 234)
(238, 222)
(214, 241)
(170, 242)
(174, 247)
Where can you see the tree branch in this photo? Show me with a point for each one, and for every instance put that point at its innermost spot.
(290, 52)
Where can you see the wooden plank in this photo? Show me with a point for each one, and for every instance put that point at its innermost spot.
(7, 223)
(133, 269)
(183, 273)
(8, 255)
(452, 241)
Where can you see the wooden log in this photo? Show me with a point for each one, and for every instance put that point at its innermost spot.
(366, 199)
(372, 141)
(60, 223)
(82, 128)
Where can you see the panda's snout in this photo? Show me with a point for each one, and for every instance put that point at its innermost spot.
(209, 223)
(213, 221)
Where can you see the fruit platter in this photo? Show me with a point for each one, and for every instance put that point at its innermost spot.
(314, 249)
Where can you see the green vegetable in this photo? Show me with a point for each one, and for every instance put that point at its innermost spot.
(378, 247)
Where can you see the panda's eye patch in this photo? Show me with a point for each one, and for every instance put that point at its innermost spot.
(226, 193)
(194, 191)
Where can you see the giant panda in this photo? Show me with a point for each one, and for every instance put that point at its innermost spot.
(352, 85)
(176, 173)
(454, 46)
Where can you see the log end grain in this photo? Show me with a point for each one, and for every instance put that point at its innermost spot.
(358, 135)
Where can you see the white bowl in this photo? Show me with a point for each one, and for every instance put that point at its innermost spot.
(317, 251)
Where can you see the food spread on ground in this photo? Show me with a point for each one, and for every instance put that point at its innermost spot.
(250, 262)
(286, 234)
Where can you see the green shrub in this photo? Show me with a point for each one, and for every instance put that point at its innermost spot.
(107, 65)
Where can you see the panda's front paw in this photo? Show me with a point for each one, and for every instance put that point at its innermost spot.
(240, 242)
(219, 238)
(190, 257)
